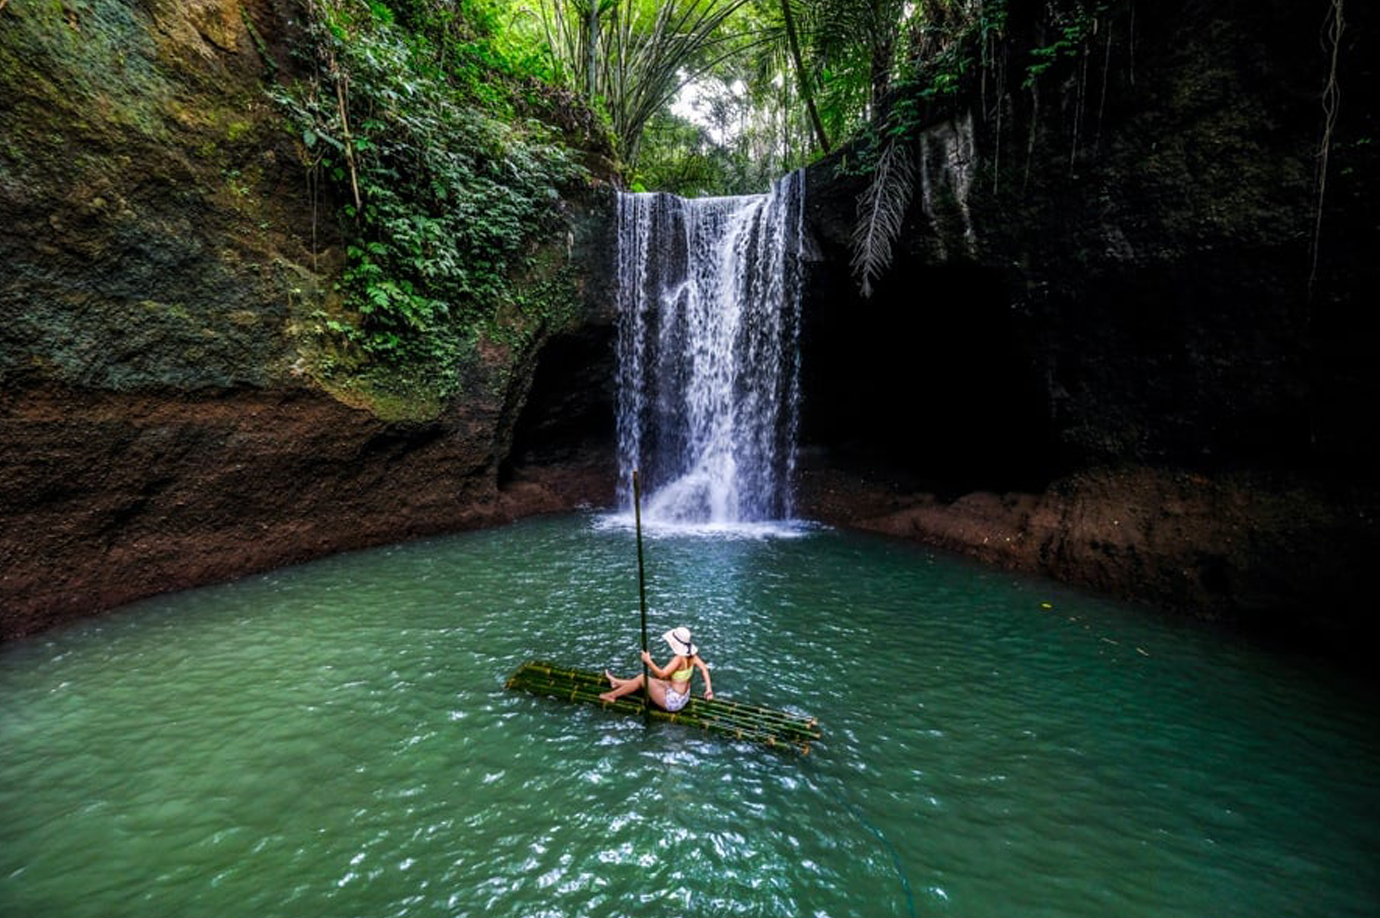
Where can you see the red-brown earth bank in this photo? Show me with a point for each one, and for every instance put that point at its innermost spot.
(111, 497)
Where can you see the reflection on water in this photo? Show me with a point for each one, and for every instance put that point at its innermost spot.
(334, 739)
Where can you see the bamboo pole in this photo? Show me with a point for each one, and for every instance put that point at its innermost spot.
(745, 726)
(736, 730)
(718, 705)
(741, 721)
(641, 583)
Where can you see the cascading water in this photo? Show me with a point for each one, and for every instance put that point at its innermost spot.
(708, 378)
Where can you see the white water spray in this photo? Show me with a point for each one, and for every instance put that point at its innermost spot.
(708, 378)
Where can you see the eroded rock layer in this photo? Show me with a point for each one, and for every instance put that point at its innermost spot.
(1116, 344)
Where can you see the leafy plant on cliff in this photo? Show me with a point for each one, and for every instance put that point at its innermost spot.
(959, 49)
(882, 211)
(418, 124)
(1071, 25)
(945, 45)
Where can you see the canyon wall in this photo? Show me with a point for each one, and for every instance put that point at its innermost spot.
(164, 267)
(1105, 350)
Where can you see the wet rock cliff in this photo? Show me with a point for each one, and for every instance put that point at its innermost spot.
(1115, 345)
(163, 267)
(1118, 344)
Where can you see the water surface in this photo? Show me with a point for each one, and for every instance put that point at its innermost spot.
(334, 739)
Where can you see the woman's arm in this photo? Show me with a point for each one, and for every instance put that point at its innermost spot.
(704, 671)
(658, 671)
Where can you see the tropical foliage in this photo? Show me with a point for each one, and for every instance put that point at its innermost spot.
(723, 95)
(432, 139)
(632, 57)
(448, 132)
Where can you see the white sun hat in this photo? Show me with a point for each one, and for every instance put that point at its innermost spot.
(679, 639)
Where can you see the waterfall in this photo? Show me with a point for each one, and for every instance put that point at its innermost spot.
(708, 375)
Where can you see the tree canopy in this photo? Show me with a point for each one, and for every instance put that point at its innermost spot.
(719, 96)
(713, 96)
(449, 131)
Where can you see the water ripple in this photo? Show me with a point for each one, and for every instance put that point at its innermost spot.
(335, 739)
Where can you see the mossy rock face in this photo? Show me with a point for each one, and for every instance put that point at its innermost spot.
(176, 409)
(162, 233)
(158, 233)
(1128, 252)
(1130, 377)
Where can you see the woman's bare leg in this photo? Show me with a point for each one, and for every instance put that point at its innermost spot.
(621, 687)
(658, 693)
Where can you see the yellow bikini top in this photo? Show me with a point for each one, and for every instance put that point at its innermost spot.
(683, 675)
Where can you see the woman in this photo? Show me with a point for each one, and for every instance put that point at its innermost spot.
(670, 689)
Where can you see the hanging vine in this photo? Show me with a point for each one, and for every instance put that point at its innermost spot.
(1333, 27)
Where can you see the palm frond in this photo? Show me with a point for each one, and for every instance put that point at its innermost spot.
(643, 53)
(882, 210)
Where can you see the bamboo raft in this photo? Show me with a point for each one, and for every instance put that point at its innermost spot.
(778, 729)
